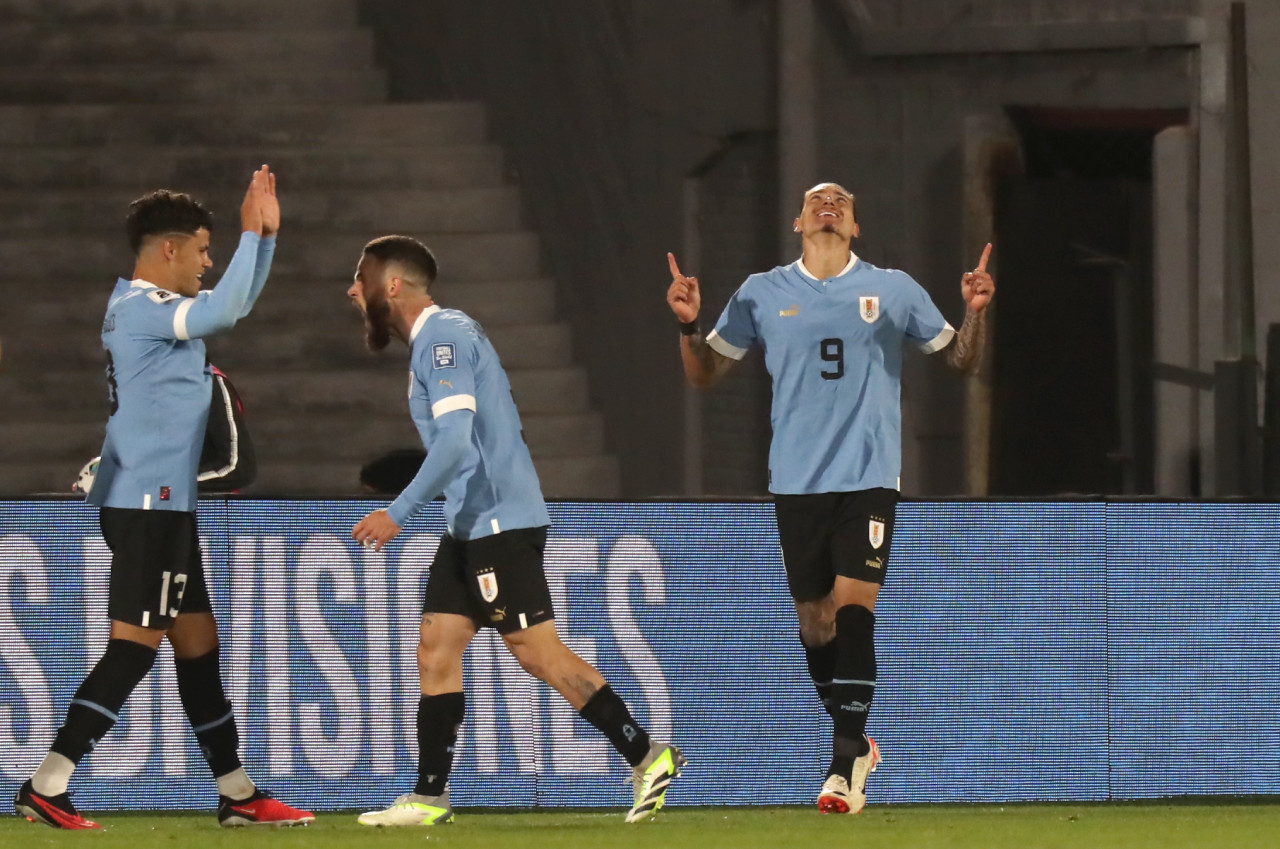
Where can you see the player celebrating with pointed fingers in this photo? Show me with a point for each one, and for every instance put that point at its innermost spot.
(160, 386)
(488, 570)
(833, 328)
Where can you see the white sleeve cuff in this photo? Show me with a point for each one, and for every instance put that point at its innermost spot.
(452, 403)
(940, 341)
(720, 346)
(180, 319)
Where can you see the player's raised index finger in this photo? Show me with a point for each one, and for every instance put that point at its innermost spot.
(986, 254)
(675, 269)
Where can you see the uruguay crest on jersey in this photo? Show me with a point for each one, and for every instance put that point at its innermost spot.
(870, 308)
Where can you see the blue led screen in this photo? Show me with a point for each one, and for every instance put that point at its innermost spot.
(1027, 651)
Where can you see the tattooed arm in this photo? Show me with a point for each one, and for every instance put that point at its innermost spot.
(703, 366)
(965, 352)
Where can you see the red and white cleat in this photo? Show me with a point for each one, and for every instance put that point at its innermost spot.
(260, 809)
(842, 795)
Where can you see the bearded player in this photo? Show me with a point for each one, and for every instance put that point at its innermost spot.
(488, 570)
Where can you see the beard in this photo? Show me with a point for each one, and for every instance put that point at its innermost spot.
(377, 323)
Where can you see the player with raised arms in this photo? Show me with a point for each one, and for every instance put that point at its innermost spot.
(833, 328)
(160, 386)
(488, 569)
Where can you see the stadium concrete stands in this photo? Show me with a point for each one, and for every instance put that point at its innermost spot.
(102, 100)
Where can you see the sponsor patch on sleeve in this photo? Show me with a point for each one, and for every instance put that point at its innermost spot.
(442, 355)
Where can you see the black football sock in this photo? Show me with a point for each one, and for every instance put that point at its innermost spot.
(854, 684)
(96, 705)
(209, 711)
(608, 712)
(439, 718)
(822, 668)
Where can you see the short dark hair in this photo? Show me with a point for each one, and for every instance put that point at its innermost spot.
(406, 251)
(163, 211)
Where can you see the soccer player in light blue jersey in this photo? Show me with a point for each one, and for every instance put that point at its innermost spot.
(833, 329)
(160, 387)
(488, 570)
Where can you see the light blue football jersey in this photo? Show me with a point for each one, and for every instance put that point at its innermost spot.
(834, 350)
(453, 366)
(160, 383)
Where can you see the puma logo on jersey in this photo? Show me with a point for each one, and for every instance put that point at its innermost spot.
(446, 383)
(792, 310)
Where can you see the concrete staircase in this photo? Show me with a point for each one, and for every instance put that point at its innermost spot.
(102, 100)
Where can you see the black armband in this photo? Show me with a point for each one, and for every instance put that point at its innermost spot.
(689, 328)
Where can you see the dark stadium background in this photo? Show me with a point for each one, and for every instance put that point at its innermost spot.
(554, 152)
(1103, 485)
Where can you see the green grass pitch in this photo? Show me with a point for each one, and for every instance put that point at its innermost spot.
(1201, 824)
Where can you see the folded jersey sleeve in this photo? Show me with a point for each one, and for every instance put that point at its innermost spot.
(446, 364)
(218, 309)
(736, 331)
(925, 325)
(152, 313)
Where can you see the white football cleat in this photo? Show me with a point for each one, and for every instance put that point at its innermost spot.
(412, 809)
(652, 777)
(849, 796)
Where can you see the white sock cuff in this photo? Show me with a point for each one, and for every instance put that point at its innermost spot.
(53, 776)
(236, 784)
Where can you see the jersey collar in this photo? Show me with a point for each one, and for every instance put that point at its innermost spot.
(142, 284)
(422, 319)
(853, 260)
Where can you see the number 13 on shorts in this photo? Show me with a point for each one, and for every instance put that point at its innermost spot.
(175, 584)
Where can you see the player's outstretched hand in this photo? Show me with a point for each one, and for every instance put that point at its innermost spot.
(251, 209)
(683, 295)
(270, 205)
(976, 286)
(376, 530)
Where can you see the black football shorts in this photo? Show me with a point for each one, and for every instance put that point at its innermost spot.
(496, 581)
(156, 569)
(835, 533)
